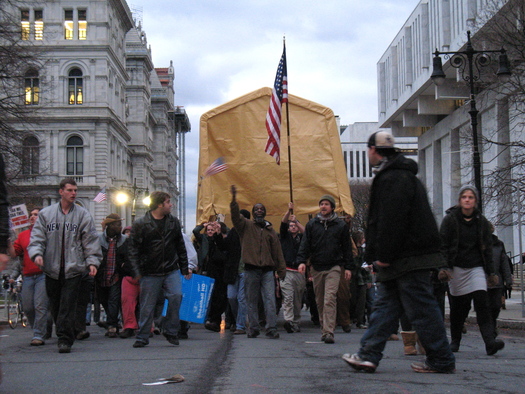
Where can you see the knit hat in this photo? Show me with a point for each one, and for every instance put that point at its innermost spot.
(471, 188)
(328, 198)
(112, 217)
(381, 139)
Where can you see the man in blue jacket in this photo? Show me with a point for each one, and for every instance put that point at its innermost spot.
(402, 241)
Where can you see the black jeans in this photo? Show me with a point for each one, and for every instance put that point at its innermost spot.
(109, 297)
(84, 294)
(63, 294)
(459, 309)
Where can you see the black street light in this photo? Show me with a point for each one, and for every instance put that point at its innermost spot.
(122, 197)
(469, 62)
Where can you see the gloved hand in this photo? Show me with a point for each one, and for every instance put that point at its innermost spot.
(492, 280)
(444, 275)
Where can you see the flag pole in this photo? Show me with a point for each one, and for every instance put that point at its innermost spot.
(288, 138)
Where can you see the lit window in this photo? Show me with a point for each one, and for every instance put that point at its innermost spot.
(75, 91)
(75, 156)
(82, 24)
(30, 156)
(68, 24)
(26, 27)
(31, 88)
(39, 25)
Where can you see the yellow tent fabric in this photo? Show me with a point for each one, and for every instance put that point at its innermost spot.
(236, 131)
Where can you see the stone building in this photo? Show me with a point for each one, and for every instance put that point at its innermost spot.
(104, 114)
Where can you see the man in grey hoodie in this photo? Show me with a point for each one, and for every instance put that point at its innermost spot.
(65, 244)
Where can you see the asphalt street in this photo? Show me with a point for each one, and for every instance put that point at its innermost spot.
(223, 363)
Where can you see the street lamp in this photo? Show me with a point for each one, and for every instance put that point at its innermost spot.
(123, 197)
(469, 62)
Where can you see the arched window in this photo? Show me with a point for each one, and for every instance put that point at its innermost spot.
(75, 87)
(30, 156)
(75, 156)
(31, 87)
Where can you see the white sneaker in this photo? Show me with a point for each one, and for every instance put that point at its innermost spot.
(358, 363)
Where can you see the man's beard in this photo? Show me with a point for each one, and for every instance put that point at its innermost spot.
(259, 219)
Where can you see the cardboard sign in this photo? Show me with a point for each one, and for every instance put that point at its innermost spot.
(19, 216)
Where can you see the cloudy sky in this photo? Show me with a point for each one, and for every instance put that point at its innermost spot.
(223, 49)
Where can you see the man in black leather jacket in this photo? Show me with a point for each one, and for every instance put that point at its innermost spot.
(157, 249)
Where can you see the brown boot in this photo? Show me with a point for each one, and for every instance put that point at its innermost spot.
(409, 342)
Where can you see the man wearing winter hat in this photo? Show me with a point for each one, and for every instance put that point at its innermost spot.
(327, 244)
(402, 241)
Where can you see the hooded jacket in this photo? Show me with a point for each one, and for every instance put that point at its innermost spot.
(73, 233)
(326, 242)
(401, 226)
(156, 252)
(260, 244)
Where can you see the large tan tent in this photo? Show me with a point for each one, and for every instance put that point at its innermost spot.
(236, 132)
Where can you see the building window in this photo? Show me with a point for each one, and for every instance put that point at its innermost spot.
(75, 88)
(68, 24)
(31, 88)
(25, 24)
(39, 24)
(82, 24)
(75, 156)
(30, 156)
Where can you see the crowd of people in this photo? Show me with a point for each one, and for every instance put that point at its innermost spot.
(399, 270)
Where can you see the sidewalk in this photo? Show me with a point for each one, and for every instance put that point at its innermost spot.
(511, 317)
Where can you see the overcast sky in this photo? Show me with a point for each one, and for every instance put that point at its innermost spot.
(223, 49)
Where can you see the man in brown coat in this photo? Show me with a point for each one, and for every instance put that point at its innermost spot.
(261, 256)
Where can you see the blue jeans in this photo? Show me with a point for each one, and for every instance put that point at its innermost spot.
(36, 304)
(258, 282)
(150, 289)
(237, 300)
(413, 294)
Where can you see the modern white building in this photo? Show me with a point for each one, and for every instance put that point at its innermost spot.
(104, 115)
(354, 139)
(411, 105)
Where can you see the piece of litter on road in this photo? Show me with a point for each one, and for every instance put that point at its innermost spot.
(177, 378)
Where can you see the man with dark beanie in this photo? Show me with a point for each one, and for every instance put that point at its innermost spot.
(402, 241)
(327, 244)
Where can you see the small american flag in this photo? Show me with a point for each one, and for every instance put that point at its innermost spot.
(217, 166)
(273, 117)
(101, 196)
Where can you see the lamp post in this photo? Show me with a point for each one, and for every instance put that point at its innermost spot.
(469, 62)
(122, 197)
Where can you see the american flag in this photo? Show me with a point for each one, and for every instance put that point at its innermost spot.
(273, 117)
(101, 196)
(217, 166)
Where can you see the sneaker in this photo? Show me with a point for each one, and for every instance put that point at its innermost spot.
(497, 346)
(139, 344)
(347, 328)
(112, 332)
(37, 342)
(361, 326)
(156, 331)
(272, 334)
(359, 364)
(173, 339)
(182, 335)
(82, 335)
(253, 334)
(239, 332)
(329, 338)
(288, 326)
(423, 367)
(64, 348)
(212, 326)
(127, 333)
